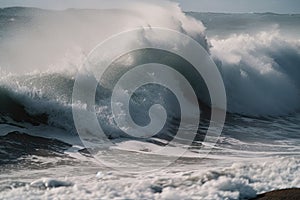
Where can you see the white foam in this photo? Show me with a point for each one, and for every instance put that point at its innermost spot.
(238, 181)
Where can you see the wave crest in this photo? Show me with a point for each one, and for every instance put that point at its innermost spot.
(260, 72)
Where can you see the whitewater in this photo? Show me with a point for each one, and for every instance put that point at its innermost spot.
(42, 156)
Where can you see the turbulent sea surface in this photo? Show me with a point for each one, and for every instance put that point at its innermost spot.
(41, 155)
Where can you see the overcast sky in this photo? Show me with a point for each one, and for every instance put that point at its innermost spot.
(277, 6)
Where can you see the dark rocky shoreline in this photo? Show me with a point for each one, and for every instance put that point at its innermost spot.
(285, 194)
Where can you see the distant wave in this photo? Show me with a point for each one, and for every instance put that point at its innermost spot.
(261, 72)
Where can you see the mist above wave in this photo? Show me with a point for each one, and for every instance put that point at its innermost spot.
(41, 40)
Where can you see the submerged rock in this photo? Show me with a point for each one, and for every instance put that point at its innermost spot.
(15, 145)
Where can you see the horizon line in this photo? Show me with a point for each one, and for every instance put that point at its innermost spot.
(185, 11)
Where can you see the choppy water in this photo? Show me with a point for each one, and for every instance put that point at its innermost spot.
(258, 56)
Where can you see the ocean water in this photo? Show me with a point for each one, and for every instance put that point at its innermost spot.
(42, 156)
